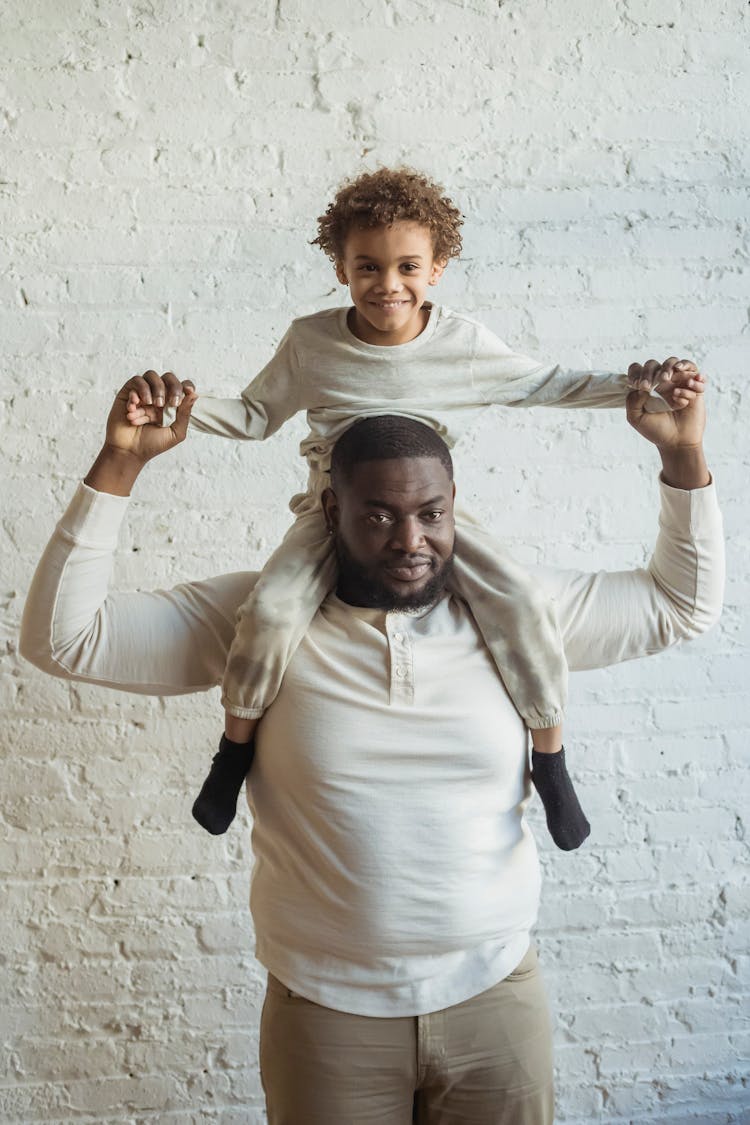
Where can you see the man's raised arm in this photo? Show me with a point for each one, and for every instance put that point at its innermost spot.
(162, 643)
(614, 616)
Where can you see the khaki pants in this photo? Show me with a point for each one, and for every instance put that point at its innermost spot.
(487, 1061)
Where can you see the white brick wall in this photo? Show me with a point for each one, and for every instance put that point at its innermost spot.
(161, 168)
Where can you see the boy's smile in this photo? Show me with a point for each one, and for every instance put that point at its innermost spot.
(388, 270)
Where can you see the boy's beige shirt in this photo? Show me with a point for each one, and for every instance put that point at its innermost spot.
(445, 377)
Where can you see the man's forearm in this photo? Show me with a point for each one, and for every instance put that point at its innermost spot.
(685, 468)
(114, 471)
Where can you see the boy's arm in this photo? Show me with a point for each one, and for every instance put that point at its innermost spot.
(271, 399)
(606, 618)
(507, 378)
(167, 642)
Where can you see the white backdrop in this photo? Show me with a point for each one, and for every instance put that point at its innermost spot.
(161, 168)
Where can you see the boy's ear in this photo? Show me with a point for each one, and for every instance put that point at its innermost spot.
(340, 274)
(438, 266)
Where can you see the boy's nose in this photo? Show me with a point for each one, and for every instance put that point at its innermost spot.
(391, 282)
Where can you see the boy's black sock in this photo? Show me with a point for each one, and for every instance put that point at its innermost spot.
(567, 824)
(216, 803)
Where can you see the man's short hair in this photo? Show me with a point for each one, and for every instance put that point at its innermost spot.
(386, 437)
(385, 197)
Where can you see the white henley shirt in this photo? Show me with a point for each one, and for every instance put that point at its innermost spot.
(394, 873)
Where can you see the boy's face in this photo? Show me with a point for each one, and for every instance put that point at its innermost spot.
(388, 270)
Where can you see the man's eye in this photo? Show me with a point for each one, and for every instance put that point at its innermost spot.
(432, 517)
(378, 518)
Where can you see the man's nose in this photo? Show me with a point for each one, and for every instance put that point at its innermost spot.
(408, 535)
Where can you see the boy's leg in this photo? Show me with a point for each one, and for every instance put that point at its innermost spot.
(520, 629)
(270, 625)
(239, 730)
(566, 820)
(215, 806)
(277, 614)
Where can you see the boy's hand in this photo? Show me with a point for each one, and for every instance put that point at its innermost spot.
(678, 381)
(148, 395)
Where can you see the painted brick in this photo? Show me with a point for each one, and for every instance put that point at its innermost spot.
(161, 176)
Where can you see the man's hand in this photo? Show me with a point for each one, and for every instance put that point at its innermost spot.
(135, 433)
(677, 434)
(676, 380)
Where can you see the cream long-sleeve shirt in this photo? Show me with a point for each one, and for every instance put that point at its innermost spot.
(445, 377)
(395, 873)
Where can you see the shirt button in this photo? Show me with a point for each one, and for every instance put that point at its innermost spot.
(398, 637)
(401, 671)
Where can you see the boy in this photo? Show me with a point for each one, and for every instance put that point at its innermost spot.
(390, 235)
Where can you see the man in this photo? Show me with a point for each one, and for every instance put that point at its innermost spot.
(396, 882)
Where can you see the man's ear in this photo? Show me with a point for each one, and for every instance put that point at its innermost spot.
(340, 274)
(438, 267)
(330, 509)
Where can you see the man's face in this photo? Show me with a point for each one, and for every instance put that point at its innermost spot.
(388, 271)
(394, 530)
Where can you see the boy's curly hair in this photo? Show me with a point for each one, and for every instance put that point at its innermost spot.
(386, 196)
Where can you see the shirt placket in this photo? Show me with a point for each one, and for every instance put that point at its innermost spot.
(401, 655)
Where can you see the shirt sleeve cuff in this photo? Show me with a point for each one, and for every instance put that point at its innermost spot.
(695, 509)
(94, 518)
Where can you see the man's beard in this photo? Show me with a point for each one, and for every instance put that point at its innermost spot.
(362, 586)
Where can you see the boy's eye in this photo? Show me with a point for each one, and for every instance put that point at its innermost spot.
(410, 266)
